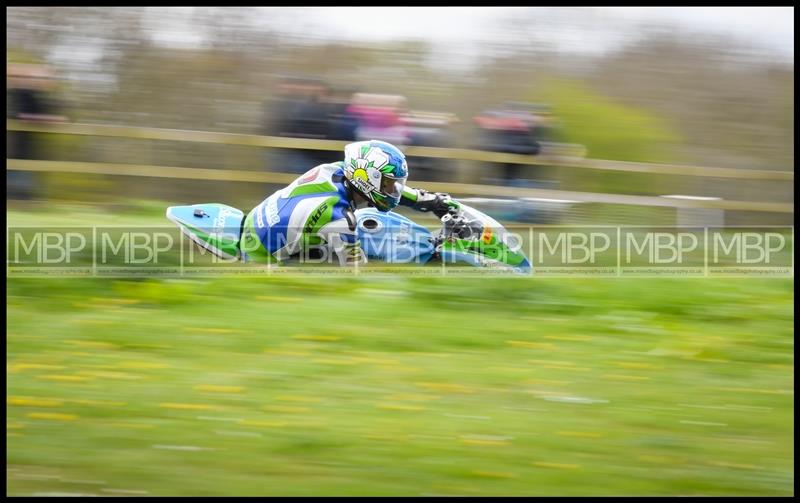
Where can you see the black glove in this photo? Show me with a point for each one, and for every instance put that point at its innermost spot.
(461, 227)
(438, 202)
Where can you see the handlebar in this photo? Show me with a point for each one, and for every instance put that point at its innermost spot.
(457, 226)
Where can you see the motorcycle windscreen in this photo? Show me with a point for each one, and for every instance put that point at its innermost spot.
(495, 247)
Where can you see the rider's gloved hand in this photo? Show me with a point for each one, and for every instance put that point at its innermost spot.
(439, 203)
(461, 227)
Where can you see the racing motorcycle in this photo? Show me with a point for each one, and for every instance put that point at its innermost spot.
(466, 236)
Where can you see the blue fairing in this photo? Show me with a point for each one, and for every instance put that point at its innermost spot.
(393, 238)
(210, 218)
(213, 219)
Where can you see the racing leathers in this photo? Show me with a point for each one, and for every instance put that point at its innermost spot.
(314, 216)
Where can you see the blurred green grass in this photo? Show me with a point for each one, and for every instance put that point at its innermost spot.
(400, 386)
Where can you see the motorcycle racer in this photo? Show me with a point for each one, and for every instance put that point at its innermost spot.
(315, 213)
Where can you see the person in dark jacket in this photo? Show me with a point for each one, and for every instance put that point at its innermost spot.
(297, 111)
(501, 131)
(27, 100)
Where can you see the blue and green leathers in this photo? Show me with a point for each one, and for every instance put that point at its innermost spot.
(313, 212)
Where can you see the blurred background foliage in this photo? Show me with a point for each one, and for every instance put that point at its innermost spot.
(608, 127)
(667, 94)
(714, 98)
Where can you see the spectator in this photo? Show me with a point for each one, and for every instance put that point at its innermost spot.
(279, 113)
(309, 116)
(342, 124)
(510, 132)
(380, 117)
(27, 100)
(299, 111)
(430, 129)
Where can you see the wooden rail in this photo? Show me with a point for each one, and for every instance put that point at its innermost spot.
(229, 175)
(149, 133)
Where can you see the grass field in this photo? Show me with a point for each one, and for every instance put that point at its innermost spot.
(398, 386)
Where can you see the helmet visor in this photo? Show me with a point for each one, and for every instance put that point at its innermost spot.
(392, 187)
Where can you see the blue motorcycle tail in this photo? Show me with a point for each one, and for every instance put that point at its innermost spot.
(216, 227)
